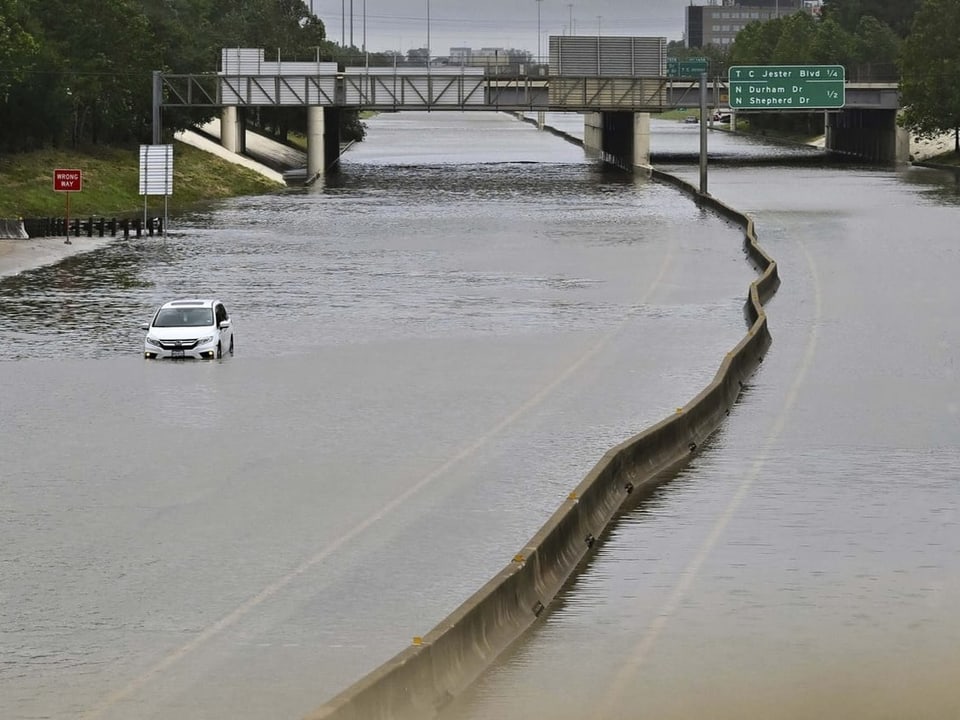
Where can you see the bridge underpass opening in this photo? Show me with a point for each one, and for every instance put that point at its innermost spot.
(872, 135)
(621, 138)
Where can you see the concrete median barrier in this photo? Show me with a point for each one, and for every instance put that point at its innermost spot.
(419, 681)
(12, 229)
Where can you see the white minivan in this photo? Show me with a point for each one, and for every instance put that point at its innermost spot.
(189, 328)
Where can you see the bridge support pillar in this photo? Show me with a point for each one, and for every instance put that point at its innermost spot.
(232, 130)
(323, 140)
(621, 138)
(593, 133)
(316, 150)
(541, 119)
(902, 152)
(641, 142)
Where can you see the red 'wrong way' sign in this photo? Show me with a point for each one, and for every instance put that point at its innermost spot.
(65, 180)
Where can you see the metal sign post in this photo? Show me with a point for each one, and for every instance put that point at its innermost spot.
(703, 133)
(67, 180)
(156, 176)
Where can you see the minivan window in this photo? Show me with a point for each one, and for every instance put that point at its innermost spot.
(184, 317)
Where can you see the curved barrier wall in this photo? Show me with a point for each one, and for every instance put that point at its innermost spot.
(420, 680)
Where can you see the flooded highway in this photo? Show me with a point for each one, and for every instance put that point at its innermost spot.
(431, 351)
(806, 564)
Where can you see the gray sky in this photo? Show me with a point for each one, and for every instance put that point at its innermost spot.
(402, 24)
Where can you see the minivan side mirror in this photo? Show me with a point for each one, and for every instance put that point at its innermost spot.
(224, 324)
(145, 326)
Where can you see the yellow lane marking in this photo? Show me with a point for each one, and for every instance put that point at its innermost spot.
(631, 668)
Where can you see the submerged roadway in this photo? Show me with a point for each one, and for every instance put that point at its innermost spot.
(431, 351)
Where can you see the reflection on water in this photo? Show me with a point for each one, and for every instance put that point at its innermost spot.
(941, 187)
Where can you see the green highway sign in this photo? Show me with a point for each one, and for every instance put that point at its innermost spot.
(688, 67)
(787, 87)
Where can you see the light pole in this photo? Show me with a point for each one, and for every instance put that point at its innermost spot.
(351, 23)
(570, 5)
(364, 26)
(343, 23)
(599, 20)
(428, 33)
(539, 2)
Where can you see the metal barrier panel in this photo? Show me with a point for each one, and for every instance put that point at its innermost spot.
(241, 61)
(608, 56)
(248, 79)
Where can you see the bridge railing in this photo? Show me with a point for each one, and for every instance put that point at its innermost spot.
(446, 88)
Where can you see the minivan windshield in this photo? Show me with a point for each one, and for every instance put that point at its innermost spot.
(184, 317)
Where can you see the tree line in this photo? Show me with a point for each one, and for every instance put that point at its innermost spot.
(79, 72)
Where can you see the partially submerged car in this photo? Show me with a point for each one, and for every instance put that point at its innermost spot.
(189, 328)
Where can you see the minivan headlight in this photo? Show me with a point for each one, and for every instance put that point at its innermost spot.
(205, 340)
(154, 342)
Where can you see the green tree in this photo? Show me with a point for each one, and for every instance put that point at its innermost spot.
(756, 43)
(898, 14)
(794, 45)
(79, 71)
(930, 67)
(17, 46)
(99, 54)
(875, 42)
(831, 45)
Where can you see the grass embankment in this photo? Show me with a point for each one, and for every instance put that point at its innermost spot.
(678, 114)
(111, 184)
(949, 158)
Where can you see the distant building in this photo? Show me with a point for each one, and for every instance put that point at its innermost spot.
(719, 22)
(461, 55)
(489, 57)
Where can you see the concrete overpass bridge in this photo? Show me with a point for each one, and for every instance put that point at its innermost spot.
(617, 92)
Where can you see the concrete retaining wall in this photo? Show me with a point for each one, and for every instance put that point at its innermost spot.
(12, 229)
(427, 675)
